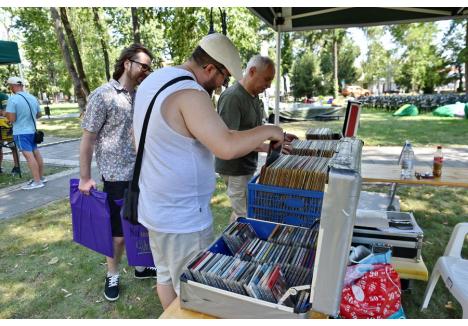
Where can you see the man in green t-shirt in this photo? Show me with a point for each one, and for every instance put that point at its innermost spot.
(241, 109)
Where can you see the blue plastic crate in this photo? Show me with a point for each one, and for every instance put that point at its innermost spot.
(283, 205)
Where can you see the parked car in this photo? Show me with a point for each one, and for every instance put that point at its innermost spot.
(355, 91)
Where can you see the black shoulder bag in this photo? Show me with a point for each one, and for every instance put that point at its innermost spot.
(130, 206)
(38, 134)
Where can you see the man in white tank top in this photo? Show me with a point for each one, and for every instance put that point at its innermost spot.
(177, 176)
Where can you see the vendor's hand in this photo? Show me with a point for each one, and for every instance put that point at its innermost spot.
(277, 135)
(86, 185)
(287, 148)
(289, 137)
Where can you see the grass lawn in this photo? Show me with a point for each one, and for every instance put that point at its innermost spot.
(6, 179)
(66, 127)
(44, 274)
(62, 108)
(376, 128)
(437, 210)
(381, 128)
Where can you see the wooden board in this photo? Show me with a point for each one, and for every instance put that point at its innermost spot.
(174, 311)
(451, 177)
(409, 269)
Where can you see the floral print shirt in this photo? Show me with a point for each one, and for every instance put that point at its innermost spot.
(109, 114)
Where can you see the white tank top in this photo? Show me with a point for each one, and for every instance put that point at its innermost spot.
(177, 176)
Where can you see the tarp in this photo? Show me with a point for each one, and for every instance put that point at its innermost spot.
(451, 110)
(406, 110)
(9, 53)
(288, 19)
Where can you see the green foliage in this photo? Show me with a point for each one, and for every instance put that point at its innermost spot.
(421, 62)
(46, 71)
(347, 54)
(306, 79)
(378, 61)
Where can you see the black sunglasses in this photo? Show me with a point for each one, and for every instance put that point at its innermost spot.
(226, 77)
(144, 67)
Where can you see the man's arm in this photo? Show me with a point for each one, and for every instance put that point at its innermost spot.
(86, 155)
(11, 116)
(205, 125)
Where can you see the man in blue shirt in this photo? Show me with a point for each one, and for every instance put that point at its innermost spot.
(22, 111)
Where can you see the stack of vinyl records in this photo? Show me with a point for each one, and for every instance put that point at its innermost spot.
(262, 269)
(323, 148)
(297, 172)
(322, 133)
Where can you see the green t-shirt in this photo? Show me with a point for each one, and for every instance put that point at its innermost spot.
(240, 111)
(3, 101)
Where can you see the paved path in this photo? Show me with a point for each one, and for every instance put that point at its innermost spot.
(56, 151)
(65, 152)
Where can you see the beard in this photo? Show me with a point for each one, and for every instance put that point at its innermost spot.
(210, 86)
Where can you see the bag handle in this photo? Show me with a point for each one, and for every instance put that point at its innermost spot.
(30, 111)
(141, 144)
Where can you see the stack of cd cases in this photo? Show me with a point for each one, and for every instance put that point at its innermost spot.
(262, 266)
(282, 267)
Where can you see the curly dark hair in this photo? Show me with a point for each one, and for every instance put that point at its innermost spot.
(127, 54)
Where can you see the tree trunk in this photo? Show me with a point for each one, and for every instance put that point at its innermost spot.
(136, 25)
(285, 85)
(76, 52)
(466, 59)
(81, 99)
(335, 65)
(98, 25)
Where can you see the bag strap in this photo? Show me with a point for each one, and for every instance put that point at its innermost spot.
(141, 144)
(30, 111)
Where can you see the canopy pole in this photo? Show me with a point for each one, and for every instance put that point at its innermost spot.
(278, 75)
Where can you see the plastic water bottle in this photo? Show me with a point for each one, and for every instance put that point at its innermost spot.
(407, 161)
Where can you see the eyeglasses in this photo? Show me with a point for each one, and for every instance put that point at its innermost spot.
(226, 77)
(144, 66)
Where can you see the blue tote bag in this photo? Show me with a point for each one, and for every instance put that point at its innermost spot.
(91, 219)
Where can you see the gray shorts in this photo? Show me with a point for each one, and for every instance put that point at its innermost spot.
(173, 251)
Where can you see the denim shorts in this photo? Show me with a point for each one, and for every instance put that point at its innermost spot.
(25, 142)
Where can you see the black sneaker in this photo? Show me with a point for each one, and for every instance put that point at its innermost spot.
(15, 170)
(148, 272)
(111, 290)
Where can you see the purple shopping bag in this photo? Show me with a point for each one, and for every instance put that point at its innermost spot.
(91, 219)
(136, 243)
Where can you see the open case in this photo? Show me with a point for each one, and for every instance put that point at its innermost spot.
(333, 242)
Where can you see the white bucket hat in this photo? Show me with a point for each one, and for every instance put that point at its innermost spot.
(220, 48)
(15, 81)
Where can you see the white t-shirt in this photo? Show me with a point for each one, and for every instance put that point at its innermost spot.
(177, 176)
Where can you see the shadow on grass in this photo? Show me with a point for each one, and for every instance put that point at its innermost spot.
(32, 285)
(437, 211)
(67, 127)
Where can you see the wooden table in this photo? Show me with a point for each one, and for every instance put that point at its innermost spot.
(385, 173)
(174, 311)
(409, 269)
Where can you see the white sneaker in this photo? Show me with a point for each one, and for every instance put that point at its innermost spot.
(33, 185)
(43, 179)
